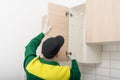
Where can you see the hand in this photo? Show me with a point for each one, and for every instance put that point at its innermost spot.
(46, 28)
(70, 55)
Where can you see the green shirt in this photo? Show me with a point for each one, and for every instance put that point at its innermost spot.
(37, 68)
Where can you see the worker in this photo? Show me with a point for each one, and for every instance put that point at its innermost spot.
(46, 67)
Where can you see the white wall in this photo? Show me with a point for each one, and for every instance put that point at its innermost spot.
(68, 3)
(20, 20)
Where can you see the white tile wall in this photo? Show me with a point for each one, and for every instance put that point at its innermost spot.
(104, 64)
(118, 47)
(102, 71)
(115, 55)
(109, 69)
(110, 48)
(98, 77)
(115, 64)
(89, 69)
(115, 73)
(114, 79)
(89, 77)
(82, 76)
(81, 67)
(105, 55)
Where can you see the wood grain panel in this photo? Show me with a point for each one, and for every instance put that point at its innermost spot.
(94, 31)
(59, 22)
(103, 20)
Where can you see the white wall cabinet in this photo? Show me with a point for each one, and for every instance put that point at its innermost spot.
(77, 43)
(70, 22)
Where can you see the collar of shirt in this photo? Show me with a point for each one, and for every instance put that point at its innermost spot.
(48, 62)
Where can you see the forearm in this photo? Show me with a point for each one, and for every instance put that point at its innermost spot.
(75, 72)
(33, 45)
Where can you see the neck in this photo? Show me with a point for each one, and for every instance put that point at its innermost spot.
(52, 59)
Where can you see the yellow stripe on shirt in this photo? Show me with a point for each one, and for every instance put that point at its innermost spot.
(48, 72)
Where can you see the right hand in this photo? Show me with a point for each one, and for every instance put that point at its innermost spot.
(70, 55)
(46, 28)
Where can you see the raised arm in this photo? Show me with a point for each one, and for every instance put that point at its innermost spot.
(75, 73)
(35, 42)
(33, 45)
(30, 49)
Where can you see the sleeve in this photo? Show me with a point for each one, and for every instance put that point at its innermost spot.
(30, 49)
(75, 73)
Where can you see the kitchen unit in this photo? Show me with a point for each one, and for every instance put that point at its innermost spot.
(71, 23)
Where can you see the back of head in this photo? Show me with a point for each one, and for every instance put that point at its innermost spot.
(51, 46)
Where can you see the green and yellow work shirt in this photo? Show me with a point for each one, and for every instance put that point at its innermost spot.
(38, 68)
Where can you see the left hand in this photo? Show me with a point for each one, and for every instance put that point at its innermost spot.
(70, 55)
(46, 28)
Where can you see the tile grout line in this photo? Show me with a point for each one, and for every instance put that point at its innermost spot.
(111, 51)
(110, 66)
(95, 72)
(83, 71)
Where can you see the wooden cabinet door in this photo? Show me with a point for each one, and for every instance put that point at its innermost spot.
(94, 32)
(59, 21)
(102, 20)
